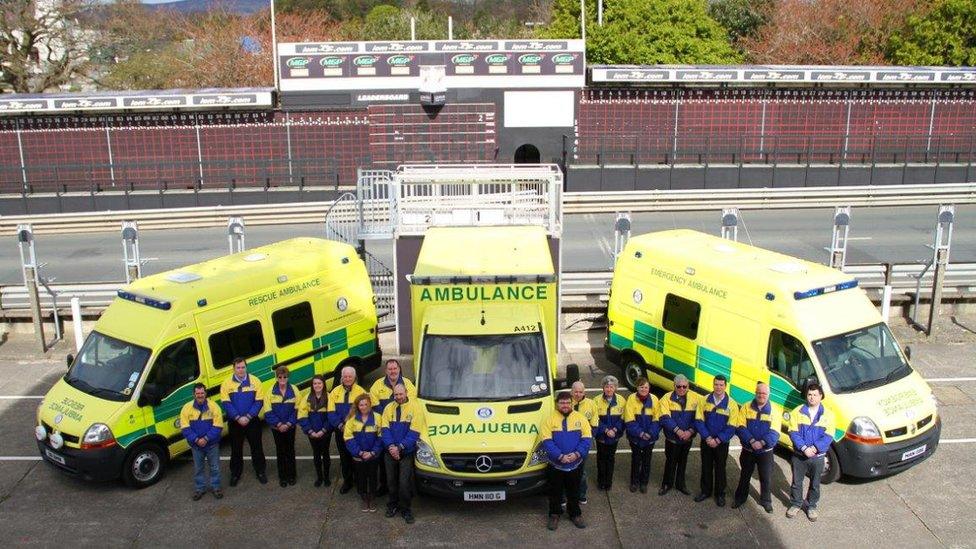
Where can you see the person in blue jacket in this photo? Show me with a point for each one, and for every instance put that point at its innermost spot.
(715, 422)
(566, 436)
(361, 433)
(242, 399)
(608, 427)
(757, 427)
(677, 416)
(643, 428)
(281, 413)
(314, 421)
(403, 421)
(202, 421)
(811, 431)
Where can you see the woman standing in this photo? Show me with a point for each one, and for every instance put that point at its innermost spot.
(364, 445)
(643, 427)
(313, 418)
(608, 427)
(281, 414)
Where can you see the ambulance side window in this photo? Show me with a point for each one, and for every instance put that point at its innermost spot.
(681, 316)
(243, 341)
(293, 324)
(175, 366)
(788, 358)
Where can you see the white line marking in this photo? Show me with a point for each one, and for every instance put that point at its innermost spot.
(949, 379)
(22, 397)
(860, 238)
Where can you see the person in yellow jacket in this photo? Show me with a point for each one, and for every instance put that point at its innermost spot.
(403, 421)
(608, 428)
(201, 422)
(586, 407)
(677, 415)
(340, 404)
(381, 392)
(566, 436)
(242, 400)
(812, 433)
(361, 434)
(281, 413)
(643, 427)
(314, 421)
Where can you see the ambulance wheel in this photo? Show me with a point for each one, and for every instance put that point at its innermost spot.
(144, 465)
(831, 470)
(632, 368)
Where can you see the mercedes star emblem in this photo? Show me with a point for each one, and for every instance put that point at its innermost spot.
(482, 464)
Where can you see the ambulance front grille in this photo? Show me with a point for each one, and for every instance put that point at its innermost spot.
(67, 438)
(469, 462)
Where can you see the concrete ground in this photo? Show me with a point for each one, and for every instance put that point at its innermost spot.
(928, 505)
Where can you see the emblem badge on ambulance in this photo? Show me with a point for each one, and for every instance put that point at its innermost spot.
(638, 296)
(58, 418)
(342, 304)
(485, 413)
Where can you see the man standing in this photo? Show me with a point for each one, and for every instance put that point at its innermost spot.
(566, 437)
(201, 422)
(758, 430)
(677, 416)
(400, 429)
(586, 407)
(811, 430)
(242, 400)
(715, 422)
(381, 393)
(340, 402)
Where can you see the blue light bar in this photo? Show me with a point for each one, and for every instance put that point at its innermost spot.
(154, 303)
(825, 290)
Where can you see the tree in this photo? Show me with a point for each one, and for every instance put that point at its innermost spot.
(43, 44)
(741, 18)
(946, 35)
(387, 22)
(828, 32)
(645, 32)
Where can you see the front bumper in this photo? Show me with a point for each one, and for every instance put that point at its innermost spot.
(452, 487)
(869, 460)
(96, 465)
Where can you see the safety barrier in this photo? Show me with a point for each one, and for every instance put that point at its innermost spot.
(580, 290)
(573, 203)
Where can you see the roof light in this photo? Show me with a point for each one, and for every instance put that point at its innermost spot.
(183, 278)
(825, 290)
(154, 303)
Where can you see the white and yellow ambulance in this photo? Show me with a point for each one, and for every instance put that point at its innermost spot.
(304, 303)
(684, 302)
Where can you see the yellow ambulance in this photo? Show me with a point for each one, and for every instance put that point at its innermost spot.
(683, 302)
(304, 303)
(485, 306)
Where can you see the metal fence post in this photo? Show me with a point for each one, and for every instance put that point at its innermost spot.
(886, 293)
(730, 224)
(28, 261)
(130, 251)
(235, 234)
(838, 241)
(943, 240)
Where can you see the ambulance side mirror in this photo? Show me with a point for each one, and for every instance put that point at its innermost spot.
(908, 352)
(69, 359)
(572, 376)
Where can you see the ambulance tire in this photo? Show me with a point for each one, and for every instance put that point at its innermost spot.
(632, 368)
(831, 467)
(144, 465)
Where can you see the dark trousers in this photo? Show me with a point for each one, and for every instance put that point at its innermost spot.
(366, 476)
(320, 455)
(640, 464)
(605, 455)
(803, 468)
(285, 452)
(400, 474)
(675, 462)
(713, 468)
(345, 460)
(252, 433)
(564, 483)
(748, 462)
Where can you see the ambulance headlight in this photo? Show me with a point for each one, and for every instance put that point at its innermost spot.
(40, 433)
(425, 455)
(57, 441)
(864, 430)
(97, 436)
(539, 456)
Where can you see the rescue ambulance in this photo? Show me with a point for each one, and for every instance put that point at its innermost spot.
(485, 306)
(304, 303)
(684, 302)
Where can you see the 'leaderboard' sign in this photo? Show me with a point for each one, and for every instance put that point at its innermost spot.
(467, 64)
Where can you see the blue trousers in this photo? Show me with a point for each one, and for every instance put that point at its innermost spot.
(202, 456)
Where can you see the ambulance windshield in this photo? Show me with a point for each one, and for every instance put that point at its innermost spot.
(861, 359)
(107, 367)
(486, 367)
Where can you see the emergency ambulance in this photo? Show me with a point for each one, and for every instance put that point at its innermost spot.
(485, 307)
(684, 302)
(304, 303)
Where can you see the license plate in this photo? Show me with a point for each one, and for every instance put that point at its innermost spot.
(484, 496)
(54, 457)
(914, 453)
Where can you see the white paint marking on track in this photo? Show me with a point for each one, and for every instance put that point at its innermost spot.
(949, 379)
(21, 397)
